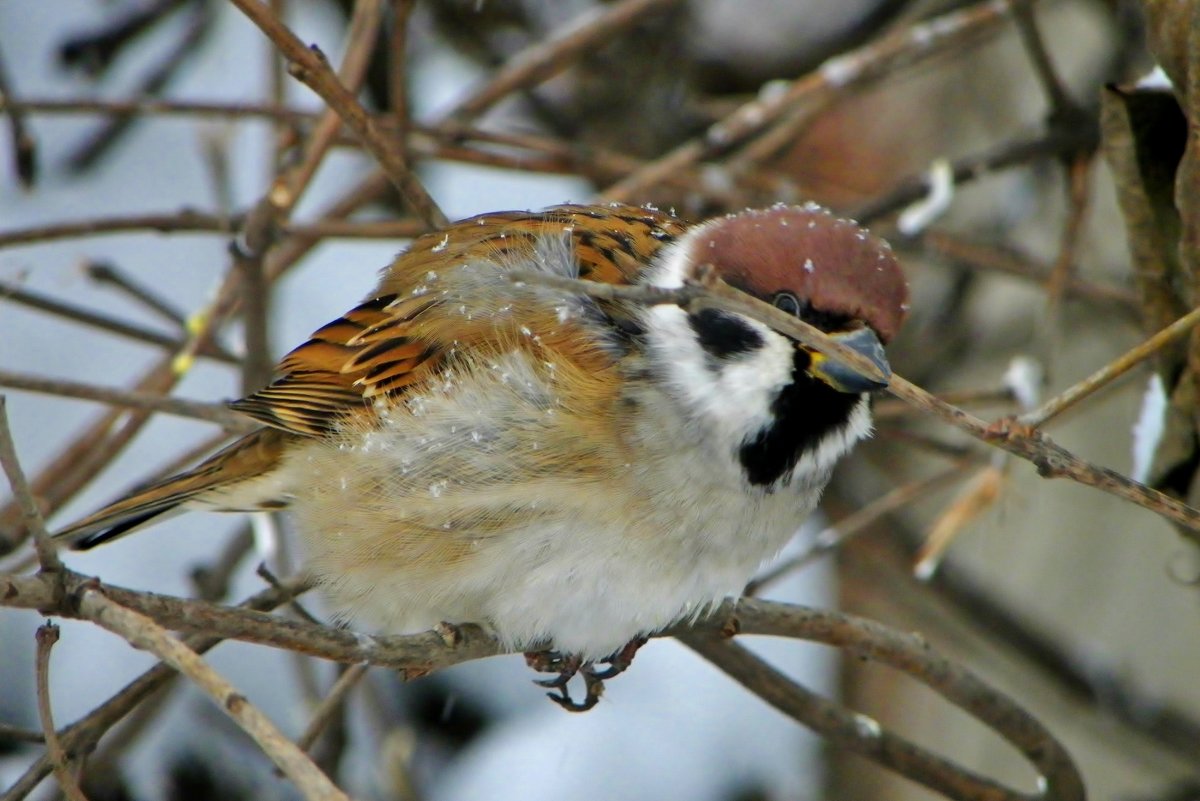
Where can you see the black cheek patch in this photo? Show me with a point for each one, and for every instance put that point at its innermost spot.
(805, 412)
(724, 335)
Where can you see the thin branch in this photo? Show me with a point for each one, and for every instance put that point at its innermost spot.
(824, 84)
(835, 536)
(1111, 371)
(983, 257)
(536, 153)
(81, 737)
(212, 580)
(852, 731)
(47, 635)
(397, 63)
(184, 221)
(890, 408)
(1031, 37)
(24, 148)
(544, 59)
(219, 414)
(103, 322)
(103, 272)
(149, 107)
(277, 72)
(47, 553)
(152, 83)
(309, 65)
(143, 633)
(17, 734)
(80, 461)
(257, 235)
(1056, 142)
(1051, 459)
(330, 704)
(910, 653)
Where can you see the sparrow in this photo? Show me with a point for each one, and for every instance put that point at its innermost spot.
(570, 473)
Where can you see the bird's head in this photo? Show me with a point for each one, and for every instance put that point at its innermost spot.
(775, 399)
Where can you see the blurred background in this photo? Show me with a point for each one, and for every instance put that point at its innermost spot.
(1002, 148)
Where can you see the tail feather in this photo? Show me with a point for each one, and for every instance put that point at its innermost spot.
(227, 480)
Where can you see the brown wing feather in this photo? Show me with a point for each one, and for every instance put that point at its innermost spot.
(251, 456)
(388, 342)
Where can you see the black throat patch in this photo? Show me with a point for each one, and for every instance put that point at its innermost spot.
(805, 411)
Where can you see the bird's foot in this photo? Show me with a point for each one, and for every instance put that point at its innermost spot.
(568, 666)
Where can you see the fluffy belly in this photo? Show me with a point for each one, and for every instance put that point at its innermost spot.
(582, 563)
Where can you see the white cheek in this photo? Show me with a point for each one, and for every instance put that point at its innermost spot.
(735, 399)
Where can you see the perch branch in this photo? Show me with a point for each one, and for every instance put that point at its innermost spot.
(422, 653)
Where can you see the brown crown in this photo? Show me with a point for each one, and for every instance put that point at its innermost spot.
(834, 264)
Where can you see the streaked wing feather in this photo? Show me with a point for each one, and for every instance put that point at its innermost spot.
(383, 345)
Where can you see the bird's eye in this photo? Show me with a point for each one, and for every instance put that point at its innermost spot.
(786, 301)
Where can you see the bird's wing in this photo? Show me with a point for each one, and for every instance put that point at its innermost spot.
(399, 336)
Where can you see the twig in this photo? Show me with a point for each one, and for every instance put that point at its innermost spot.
(369, 190)
(94, 52)
(1019, 152)
(1078, 186)
(330, 704)
(351, 229)
(103, 272)
(309, 65)
(221, 415)
(360, 40)
(154, 82)
(143, 633)
(198, 222)
(397, 63)
(535, 153)
(81, 736)
(32, 516)
(849, 730)
(827, 81)
(80, 461)
(183, 221)
(1111, 371)
(277, 72)
(1031, 37)
(150, 106)
(912, 654)
(890, 408)
(47, 635)
(16, 734)
(1051, 459)
(982, 257)
(853, 524)
(24, 148)
(257, 235)
(1108, 689)
(103, 322)
(545, 59)
(212, 580)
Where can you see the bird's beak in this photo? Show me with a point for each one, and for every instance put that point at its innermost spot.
(840, 376)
